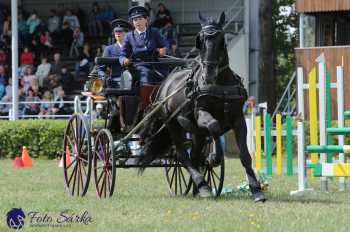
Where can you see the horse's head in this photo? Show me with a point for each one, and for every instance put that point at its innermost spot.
(211, 44)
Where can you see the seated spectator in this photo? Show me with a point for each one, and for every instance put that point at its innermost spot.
(3, 57)
(23, 30)
(45, 106)
(45, 42)
(56, 64)
(2, 19)
(163, 16)
(67, 35)
(95, 25)
(56, 88)
(33, 22)
(66, 80)
(31, 108)
(80, 15)
(86, 62)
(6, 30)
(2, 89)
(107, 14)
(53, 23)
(26, 60)
(151, 15)
(4, 109)
(35, 87)
(169, 33)
(8, 91)
(61, 10)
(29, 79)
(59, 108)
(71, 19)
(78, 42)
(43, 71)
(3, 77)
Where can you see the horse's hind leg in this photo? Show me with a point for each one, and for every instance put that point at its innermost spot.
(240, 130)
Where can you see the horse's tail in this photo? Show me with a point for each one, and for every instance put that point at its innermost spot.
(156, 144)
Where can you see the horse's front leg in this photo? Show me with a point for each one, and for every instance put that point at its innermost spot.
(206, 121)
(178, 136)
(240, 129)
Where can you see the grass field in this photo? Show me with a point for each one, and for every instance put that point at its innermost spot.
(143, 204)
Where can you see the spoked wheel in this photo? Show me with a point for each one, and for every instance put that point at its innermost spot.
(104, 164)
(179, 180)
(77, 156)
(214, 176)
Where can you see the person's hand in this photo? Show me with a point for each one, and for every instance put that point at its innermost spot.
(126, 62)
(162, 52)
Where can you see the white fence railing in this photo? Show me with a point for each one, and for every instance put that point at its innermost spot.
(75, 106)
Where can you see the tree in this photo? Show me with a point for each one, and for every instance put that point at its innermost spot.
(278, 40)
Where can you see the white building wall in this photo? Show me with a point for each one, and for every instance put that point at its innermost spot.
(238, 56)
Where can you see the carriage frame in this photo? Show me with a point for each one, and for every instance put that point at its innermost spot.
(90, 150)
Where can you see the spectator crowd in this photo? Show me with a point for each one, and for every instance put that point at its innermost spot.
(45, 80)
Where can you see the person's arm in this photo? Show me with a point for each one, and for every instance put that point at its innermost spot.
(161, 43)
(102, 68)
(76, 20)
(126, 51)
(47, 69)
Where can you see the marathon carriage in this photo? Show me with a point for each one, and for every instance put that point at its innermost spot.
(100, 151)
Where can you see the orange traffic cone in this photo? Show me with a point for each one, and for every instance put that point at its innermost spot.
(27, 161)
(17, 162)
(68, 159)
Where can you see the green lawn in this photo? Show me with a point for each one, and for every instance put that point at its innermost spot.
(143, 204)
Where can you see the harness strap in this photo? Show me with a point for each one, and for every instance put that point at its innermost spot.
(183, 105)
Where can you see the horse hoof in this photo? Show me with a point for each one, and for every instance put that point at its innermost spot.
(204, 192)
(259, 197)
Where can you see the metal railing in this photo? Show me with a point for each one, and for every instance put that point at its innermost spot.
(287, 97)
(76, 106)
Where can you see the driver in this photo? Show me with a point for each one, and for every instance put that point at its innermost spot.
(120, 27)
(144, 44)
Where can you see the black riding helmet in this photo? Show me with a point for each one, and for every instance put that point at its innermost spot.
(121, 25)
(138, 11)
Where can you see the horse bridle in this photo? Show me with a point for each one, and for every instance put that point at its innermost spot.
(209, 31)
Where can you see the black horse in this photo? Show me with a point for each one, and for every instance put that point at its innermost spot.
(209, 103)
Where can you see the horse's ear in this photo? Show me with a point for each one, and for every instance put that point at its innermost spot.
(221, 19)
(201, 18)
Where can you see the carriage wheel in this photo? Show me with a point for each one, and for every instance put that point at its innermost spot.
(77, 156)
(104, 164)
(179, 180)
(214, 176)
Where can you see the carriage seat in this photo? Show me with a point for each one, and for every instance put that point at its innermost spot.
(119, 92)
